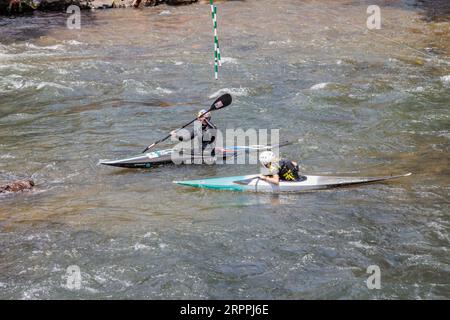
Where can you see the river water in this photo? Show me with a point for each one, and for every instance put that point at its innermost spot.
(364, 102)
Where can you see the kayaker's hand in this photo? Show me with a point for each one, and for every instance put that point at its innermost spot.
(173, 133)
(262, 177)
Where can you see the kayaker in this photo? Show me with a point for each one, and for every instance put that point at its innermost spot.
(279, 169)
(203, 128)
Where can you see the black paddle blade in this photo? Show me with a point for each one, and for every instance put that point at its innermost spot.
(221, 102)
(246, 181)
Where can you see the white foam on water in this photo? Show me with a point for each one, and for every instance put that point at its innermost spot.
(439, 230)
(128, 82)
(73, 42)
(15, 82)
(320, 86)
(31, 294)
(16, 66)
(178, 63)
(89, 289)
(228, 60)
(278, 42)
(418, 89)
(233, 91)
(420, 259)
(150, 235)
(57, 47)
(25, 55)
(62, 71)
(100, 279)
(12, 81)
(140, 246)
(164, 90)
(6, 56)
(308, 258)
(165, 12)
(444, 134)
(347, 232)
(7, 156)
(16, 117)
(446, 79)
(358, 244)
(137, 86)
(53, 85)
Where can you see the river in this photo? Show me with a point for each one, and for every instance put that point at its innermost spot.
(365, 103)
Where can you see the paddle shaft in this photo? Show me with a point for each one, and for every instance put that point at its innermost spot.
(167, 137)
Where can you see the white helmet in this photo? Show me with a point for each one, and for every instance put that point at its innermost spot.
(267, 157)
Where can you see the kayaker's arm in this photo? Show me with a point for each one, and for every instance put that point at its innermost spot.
(183, 135)
(211, 125)
(275, 179)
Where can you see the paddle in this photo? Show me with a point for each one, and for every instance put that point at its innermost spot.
(282, 144)
(264, 148)
(221, 102)
(246, 181)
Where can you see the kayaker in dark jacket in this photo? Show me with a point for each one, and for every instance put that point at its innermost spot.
(203, 129)
(279, 169)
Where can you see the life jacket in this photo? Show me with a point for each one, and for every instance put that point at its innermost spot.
(286, 170)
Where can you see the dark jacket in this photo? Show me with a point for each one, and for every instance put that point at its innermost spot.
(206, 132)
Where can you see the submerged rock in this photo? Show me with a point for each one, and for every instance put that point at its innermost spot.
(23, 6)
(17, 186)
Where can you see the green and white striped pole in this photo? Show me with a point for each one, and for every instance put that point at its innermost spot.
(216, 41)
(218, 47)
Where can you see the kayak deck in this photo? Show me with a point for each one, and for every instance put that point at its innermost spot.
(252, 183)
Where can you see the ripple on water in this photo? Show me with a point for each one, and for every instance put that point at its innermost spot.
(446, 79)
(239, 92)
(230, 60)
(320, 86)
(57, 47)
(16, 67)
(14, 82)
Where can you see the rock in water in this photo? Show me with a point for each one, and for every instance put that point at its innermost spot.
(17, 186)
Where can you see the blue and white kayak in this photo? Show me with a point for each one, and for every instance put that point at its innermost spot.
(252, 183)
(150, 159)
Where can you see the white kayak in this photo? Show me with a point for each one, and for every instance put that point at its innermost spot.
(252, 183)
(159, 157)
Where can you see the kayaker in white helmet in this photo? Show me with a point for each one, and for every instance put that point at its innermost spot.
(203, 127)
(279, 169)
